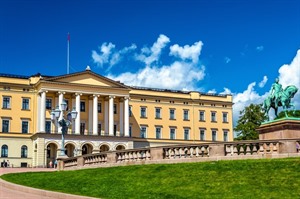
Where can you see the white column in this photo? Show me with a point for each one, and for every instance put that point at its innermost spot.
(60, 100)
(77, 120)
(95, 114)
(121, 114)
(43, 111)
(111, 115)
(38, 113)
(73, 122)
(55, 121)
(106, 117)
(90, 118)
(126, 116)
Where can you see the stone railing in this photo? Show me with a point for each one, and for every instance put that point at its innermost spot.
(185, 153)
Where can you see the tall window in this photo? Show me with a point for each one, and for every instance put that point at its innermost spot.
(185, 114)
(130, 131)
(82, 128)
(143, 132)
(25, 104)
(157, 113)
(158, 132)
(4, 151)
(186, 134)
(48, 104)
(202, 116)
(143, 112)
(172, 114)
(48, 127)
(99, 108)
(172, 133)
(202, 134)
(99, 128)
(6, 102)
(225, 135)
(115, 130)
(115, 108)
(225, 117)
(24, 151)
(5, 126)
(213, 116)
(214, 135)
(130, 111)
(82, 106)
(24, 126)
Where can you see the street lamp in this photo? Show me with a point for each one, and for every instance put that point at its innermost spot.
(63, 123)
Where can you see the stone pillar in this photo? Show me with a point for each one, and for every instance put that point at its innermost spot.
(90, 118)
(106, 117)
(60, 100)
(121, 114)
(77, 107)
(43, 111)
(111, 116)
(38, 118)
(126, 116)
(95, 114)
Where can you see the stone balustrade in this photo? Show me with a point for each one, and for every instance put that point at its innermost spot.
(185, 153)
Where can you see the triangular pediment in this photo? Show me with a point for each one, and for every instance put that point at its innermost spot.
(86, 78)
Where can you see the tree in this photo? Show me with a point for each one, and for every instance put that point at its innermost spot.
(250, 119)
(290, 114)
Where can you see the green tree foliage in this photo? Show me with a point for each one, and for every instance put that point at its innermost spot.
(250, 119)
(290, 114)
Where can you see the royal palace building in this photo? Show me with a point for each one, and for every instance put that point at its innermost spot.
(110, 116)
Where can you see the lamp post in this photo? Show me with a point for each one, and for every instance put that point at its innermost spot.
(63, 123)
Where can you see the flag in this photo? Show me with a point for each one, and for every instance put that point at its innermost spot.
(68, 37)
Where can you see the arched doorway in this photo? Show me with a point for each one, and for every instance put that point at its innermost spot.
(69, 150)
(87, 149)
(51, 153)
(104, 147)
(120, 147)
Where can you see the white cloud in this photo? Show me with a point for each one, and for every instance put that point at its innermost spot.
(148, 56)
(259, 48)
(187, 52)
(263, 82)
(226, 91)
(227, 60)
(213, 91)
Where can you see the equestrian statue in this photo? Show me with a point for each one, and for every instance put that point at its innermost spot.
(279, 97)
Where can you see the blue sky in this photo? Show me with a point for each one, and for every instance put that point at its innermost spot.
(220, 46)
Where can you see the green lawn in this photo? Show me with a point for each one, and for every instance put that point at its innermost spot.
(266, 178)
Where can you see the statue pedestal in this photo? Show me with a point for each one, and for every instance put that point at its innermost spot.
(286, 128)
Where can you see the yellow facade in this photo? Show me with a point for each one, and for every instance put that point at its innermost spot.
(112, 116)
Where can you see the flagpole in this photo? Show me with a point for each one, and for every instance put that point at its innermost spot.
(68, 54)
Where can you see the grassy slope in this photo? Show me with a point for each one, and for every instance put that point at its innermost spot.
(267, 178)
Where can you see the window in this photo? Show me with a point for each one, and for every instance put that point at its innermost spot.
(130, 131)
(143, 132)
(225, 135)
(5, 126)
(172, 133)
(48, 104)
(24, 151)
(82, 128)
(115, 129)
(202, 116)
(67, 102)
(115, 108)
(6, 102)
(157, 113)
(99, 128)
(143, 112)
(4, 151)
(130, 111)
(82, 106)
(225, 118)
(24, 126)
(202, 134)
(214, 135)
(48, 127)
(25, 104)
(158, 132)
(185, 114)
(186, 134)
(172, 114)
(213, 116)
(99, 108)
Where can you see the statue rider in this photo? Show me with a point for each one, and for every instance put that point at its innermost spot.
(275, 92)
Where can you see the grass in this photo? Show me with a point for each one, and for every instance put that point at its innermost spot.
(264, 178)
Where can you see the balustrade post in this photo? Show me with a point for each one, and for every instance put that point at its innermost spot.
(111, 157)
(156, 153)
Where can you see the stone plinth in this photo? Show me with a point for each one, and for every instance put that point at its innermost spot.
(287, 128)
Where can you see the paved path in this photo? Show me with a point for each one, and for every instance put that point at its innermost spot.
(13, 191)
